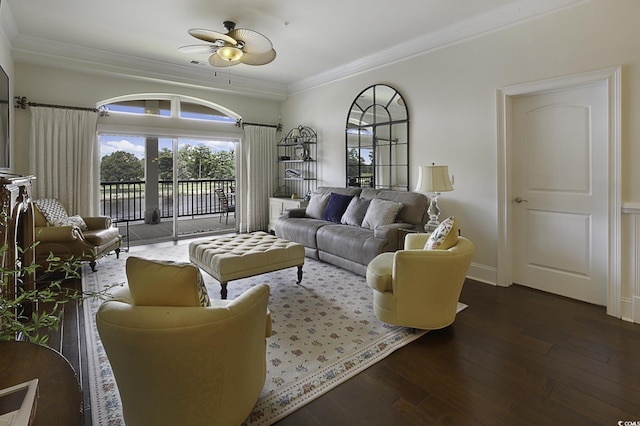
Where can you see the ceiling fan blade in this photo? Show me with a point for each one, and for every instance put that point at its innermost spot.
(254, 42)
(211, 36)
(258, 58)
(217, 61)
(199, 49)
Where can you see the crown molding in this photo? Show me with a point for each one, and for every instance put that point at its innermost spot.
(30, 50)
(511, 14)
(33, 51)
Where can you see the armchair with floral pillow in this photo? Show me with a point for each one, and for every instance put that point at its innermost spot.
(419, 286)
(72, 237)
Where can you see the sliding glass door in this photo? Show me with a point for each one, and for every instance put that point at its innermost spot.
(205, 186)
(161, 188)
(165, 159)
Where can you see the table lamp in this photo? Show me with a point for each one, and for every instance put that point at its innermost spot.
(433, 180)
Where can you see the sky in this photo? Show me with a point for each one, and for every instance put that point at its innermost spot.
(135, 144)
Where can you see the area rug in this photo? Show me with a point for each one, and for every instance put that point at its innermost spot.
(324, 332)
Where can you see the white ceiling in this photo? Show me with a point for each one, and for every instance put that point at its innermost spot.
(316, 41)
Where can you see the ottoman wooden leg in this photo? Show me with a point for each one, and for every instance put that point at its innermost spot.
(223, 291)
(299, 274)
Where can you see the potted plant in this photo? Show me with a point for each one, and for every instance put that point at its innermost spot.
(31, 314)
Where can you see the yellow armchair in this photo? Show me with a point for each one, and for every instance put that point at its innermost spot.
(419, 288)
(186, 365)
(68, 241)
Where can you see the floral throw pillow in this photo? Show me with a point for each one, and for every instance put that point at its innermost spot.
(444, 236)
(76, 221)
(56, 215)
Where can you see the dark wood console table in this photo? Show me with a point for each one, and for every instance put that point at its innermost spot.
(60, 400)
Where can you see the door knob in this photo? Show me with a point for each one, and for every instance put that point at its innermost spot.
(520, 200)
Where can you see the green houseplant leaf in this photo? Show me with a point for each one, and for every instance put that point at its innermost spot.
(30, 314)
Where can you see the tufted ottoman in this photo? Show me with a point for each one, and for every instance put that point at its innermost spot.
(233, 257)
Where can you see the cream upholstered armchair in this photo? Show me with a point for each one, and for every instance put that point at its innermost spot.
(177, 362)
(419, 288)
(66, 237)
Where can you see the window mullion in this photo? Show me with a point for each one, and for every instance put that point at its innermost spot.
(175, 107)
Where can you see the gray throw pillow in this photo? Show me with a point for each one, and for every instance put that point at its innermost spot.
(317, 205)
(355, 211)
(381, 212)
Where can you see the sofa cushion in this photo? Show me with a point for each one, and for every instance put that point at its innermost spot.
(355, 211)
(317, 205)
(300, 229)
(99, 237)
(415, 204)
(380, 212)
(444, 236)
(165, 283)
(335, 207)
(338, 190)
(350, 242)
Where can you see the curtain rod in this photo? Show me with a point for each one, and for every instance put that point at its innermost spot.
(241, 123)
(22, 103)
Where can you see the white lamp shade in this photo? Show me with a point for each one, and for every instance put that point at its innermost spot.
(434, 179)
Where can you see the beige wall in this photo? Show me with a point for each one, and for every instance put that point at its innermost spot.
(451, 95)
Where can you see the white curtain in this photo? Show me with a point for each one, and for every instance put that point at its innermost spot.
(259, 152)
(64, 158)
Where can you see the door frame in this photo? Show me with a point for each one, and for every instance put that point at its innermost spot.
(612, 78)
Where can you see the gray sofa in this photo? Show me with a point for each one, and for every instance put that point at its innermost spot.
(352, 246)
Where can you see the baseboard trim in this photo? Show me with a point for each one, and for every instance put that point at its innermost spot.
(634, 308)
(483, 273)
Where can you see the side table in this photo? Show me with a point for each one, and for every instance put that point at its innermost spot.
(60, 400)
(125, 237)
(402, 232)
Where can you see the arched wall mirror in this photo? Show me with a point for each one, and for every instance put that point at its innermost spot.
(377, 139)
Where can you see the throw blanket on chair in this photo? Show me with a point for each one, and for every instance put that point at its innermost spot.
(56, 215)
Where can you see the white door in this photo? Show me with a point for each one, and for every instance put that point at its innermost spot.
(560, 198)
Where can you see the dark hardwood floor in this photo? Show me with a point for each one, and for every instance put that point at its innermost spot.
(70, 342)
(515, 356)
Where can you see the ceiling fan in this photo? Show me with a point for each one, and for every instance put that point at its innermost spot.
(237, 46)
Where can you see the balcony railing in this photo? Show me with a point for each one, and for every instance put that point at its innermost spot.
(125, 201)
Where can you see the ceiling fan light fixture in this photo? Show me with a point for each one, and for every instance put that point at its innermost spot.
(238, 46)
(229, 53)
